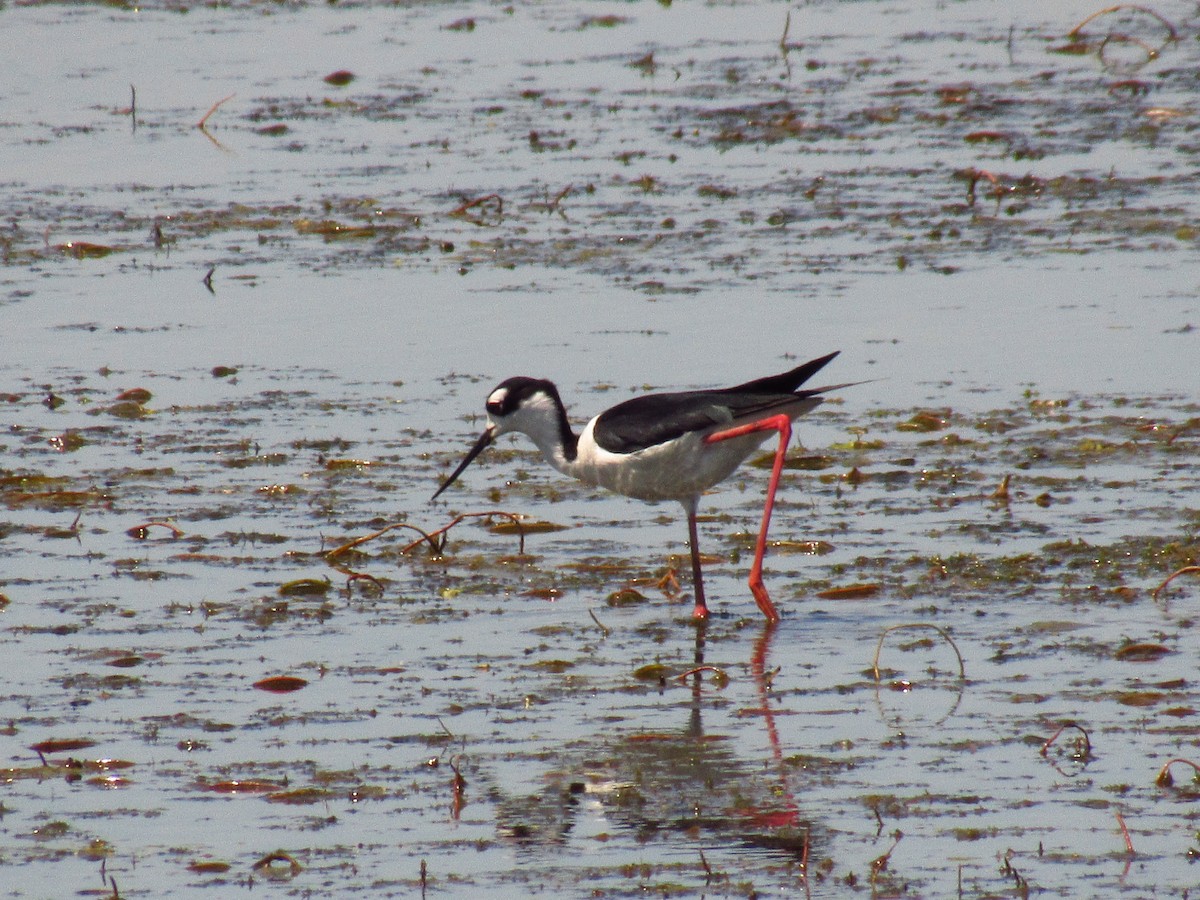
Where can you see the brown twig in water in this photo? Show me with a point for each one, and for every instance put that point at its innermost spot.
(478, 201)
(768, 678)
(352, 576)
(1124, 831)
(1087, 741)
(438, 546)
(1151, 52)
(1186, 570)
(1000, 494)
(212, 109)
(603, 628)
(708, 872)
(1164, 779)
(880, 863)
(278, 856)
(429, 537)
(207, 280)
(463, 208)
(974, 176)
(363, 576)
(139, 531)
(784, 49)
(345, 548)
(1186, 426)
(669, 584)
(212, 140)
(962, 672)
(551, 205)
(1008, 869)
(459, 788)
(424, 879)
(1134, 88)
(1073, 34)
(698, 669)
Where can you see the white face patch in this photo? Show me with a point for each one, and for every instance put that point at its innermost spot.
(496, 397)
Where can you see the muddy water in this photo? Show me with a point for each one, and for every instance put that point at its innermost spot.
(230, 350)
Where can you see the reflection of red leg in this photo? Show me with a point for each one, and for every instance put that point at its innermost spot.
(783, 425)
(790, 814)
(701, 610)
(758, 671)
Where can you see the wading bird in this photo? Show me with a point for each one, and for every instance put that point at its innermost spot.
(662, 446)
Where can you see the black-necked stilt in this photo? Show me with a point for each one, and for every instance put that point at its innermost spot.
(662, 446)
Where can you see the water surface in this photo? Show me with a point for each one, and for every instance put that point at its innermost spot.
(617, 196)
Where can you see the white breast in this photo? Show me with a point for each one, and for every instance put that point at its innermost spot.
(680, 469)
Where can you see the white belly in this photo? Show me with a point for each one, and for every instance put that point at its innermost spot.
(679, 470)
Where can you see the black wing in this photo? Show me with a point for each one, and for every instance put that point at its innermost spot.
(657, 418)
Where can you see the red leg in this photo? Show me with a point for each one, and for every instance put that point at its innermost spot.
(783, 425)
(701, 610)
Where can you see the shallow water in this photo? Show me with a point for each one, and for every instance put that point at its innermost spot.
(498, 718)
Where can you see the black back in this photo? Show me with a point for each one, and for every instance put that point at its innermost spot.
(657, 418)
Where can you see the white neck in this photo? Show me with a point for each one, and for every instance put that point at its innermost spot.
(545, 422)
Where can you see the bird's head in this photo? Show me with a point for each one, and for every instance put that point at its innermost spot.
(529, 405)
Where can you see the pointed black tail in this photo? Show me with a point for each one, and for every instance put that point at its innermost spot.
(787, 382)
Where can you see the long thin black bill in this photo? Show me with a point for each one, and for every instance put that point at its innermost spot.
(480, 446)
